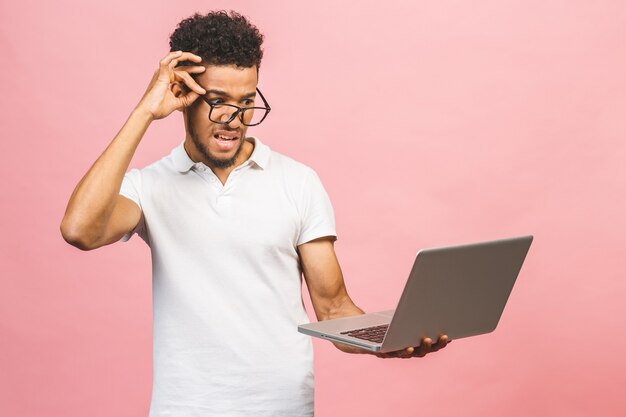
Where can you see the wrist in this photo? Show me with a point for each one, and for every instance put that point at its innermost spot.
(142, 114)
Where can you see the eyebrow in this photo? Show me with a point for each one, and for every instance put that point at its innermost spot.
(225, 94)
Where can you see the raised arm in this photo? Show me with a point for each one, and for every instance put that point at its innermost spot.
(96, 213)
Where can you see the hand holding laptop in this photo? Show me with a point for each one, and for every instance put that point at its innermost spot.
(457, 291)
(426, 346)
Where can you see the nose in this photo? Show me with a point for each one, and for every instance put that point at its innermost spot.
(236, 122)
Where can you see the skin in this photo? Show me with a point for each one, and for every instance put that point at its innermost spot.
(239, 86)
(98, 215)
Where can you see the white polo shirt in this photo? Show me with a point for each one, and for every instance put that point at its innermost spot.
(226, 282)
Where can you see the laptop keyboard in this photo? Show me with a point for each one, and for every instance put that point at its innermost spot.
(372, 334)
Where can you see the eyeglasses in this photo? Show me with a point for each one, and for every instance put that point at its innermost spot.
(249, 116)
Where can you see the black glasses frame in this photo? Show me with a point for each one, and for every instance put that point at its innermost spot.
(240, 110)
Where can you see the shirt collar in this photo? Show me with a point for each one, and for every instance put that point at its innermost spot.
(260, 154)
(183, 163)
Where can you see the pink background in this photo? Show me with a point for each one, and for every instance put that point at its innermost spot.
(430, 123)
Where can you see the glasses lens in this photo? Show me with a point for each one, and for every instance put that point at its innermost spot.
(254, 115)
(221, 113)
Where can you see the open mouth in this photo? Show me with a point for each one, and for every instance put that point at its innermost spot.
(223, 137)
(226, 141)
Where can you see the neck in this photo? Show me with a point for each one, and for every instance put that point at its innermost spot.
(222, 173)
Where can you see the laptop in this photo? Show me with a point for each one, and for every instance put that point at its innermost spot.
(459, 291)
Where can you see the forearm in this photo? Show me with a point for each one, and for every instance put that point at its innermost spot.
(94, 198)
(326, 286)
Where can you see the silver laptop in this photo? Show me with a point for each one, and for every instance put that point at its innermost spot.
(459, 291)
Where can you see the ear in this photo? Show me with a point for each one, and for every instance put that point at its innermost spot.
(179, 89)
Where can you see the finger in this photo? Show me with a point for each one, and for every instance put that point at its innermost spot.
(179, 55)
(441, 343)
(167, 58)
(192, 69)
(167, 64)
(425, 347)
(188, 99)
(407, 353)
(185, 56)
(190, 82)
(164, 71)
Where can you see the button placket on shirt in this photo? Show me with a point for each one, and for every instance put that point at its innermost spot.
(223, 199)
(232, 177)
(208, 175)
(222, 190)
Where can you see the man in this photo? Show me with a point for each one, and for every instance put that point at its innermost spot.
(231, 226)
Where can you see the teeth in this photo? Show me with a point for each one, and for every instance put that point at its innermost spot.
(226, 137)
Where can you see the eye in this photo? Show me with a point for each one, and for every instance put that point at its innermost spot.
(247, 102)
(215, 101)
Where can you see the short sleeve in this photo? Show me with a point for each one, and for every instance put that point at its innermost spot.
(131, 189)
(317, 216)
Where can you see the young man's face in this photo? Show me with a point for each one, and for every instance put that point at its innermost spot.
(220, 145)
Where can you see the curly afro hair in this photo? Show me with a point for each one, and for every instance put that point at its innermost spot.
(220, 38)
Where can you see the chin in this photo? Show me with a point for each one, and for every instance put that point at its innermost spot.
(221, 161)
(215, 160)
